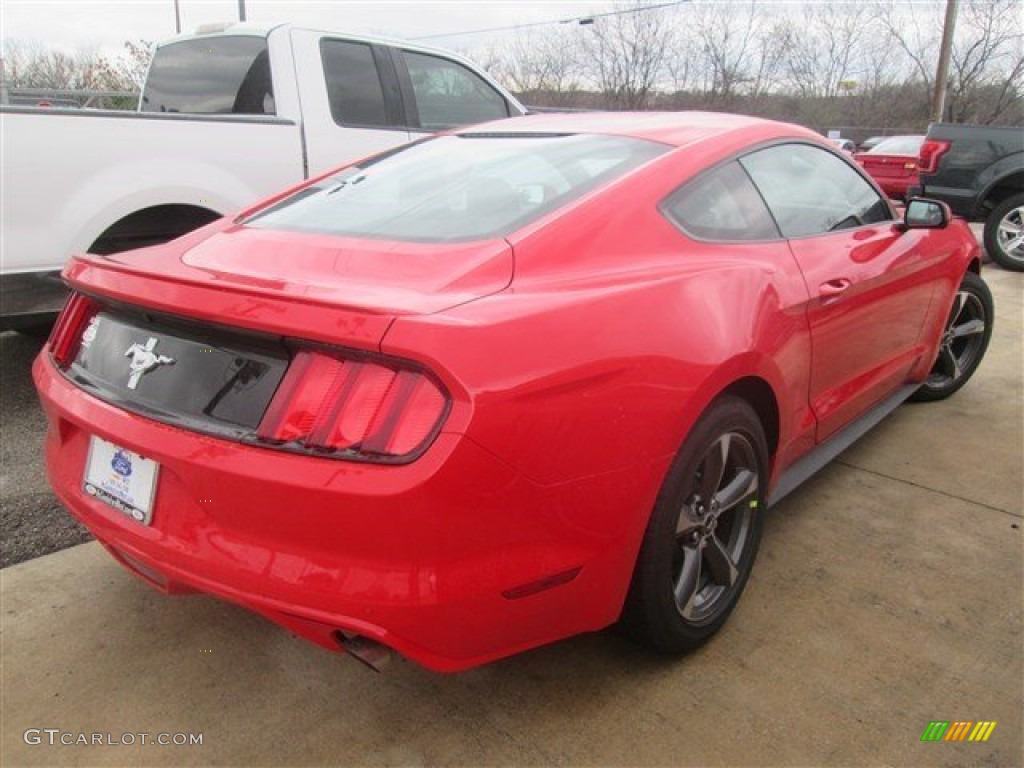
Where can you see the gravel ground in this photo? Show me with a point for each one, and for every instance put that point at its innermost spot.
(32, 521)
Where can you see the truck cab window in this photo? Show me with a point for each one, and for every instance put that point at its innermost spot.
(354, 90)
(211, 76)
(449, 95)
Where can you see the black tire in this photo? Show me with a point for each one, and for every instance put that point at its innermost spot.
(964, 340)
(1004, 234)
(683, 590)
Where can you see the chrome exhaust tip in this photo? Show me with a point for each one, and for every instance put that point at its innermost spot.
(364, 650)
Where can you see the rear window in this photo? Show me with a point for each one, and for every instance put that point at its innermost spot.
(455, 188)
(211, 76)
(898, 145)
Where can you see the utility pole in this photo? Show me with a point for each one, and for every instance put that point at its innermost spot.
(177, 18)
(241, 10)
(942, 73)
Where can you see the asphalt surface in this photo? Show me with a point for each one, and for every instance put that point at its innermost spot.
(32, 523)
(888, 594)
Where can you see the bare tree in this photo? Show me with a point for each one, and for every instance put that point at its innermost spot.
(542, 66)
(29, 65)
(626, 54)
(130, 67)
(986, 76)
(915, 30)
(742, 48)
(822, 47)
(988, 60)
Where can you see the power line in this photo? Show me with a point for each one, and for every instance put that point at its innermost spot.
(582, 20)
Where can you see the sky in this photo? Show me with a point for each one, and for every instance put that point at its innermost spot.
(104, 25)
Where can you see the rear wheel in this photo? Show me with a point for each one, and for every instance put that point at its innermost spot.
(964, 340)
(704, 532)
(1004, 234)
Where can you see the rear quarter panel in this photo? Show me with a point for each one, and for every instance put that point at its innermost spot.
(587, 373)
(616, 334)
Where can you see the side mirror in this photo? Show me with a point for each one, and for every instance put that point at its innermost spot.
(925, 214)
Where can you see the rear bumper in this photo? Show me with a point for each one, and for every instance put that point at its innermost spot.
(896, 189)
(422, 557)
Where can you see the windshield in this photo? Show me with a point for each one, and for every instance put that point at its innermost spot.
(463, 187)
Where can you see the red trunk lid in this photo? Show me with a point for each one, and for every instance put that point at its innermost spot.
(331, 288)
(889, 166)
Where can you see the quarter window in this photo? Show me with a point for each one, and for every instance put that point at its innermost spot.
(721, 204)
(810, 191)
(354, 89)
(449, 95)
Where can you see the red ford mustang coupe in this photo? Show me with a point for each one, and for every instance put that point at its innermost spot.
(502, 386)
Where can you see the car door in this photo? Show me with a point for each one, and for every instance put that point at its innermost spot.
(351, 101)
(870, 284)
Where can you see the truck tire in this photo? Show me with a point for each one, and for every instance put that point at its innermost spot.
(1004, 234)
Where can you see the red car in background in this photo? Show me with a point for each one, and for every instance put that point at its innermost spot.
(893, 164)
(503, 386)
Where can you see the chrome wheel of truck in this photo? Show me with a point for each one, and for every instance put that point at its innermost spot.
(1004, 234)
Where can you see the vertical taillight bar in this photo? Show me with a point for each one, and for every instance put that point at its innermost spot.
(67, 332)
(930, 153)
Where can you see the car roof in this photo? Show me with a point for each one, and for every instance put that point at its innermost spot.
(675, 128)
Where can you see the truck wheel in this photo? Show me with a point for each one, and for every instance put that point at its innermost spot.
(1004, 234)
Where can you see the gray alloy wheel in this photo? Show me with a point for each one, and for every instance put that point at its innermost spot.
(964, 340)
(703, 535)
(715, 527)
(1004, 234)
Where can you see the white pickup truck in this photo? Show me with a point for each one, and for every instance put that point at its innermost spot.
(227, 116)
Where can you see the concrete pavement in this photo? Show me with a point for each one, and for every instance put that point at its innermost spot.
(888, 593)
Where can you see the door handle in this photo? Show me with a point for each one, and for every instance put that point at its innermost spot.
(834, 287)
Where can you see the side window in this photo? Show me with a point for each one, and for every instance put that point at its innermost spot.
(214, 75)
(810, 191)
(449, 95)
(721, 204)
(354, 89)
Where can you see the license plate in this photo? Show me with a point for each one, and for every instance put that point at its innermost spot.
(121, 478)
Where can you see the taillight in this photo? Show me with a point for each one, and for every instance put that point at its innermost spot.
(354, 406)
(66, 337)
(931, 151)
